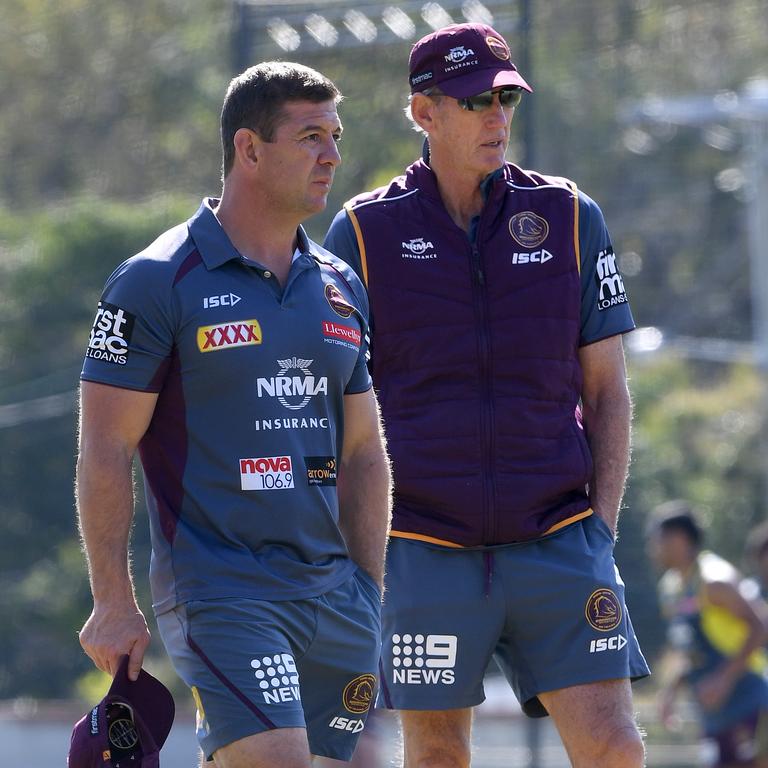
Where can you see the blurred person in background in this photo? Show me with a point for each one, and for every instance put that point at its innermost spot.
(757, 557)
(715, 636)
(497, 311)
(231, 354)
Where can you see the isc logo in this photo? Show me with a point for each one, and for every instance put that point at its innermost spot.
(347, 724)
(225, 300)
(270, 473)
(535, 257)
(615, 643)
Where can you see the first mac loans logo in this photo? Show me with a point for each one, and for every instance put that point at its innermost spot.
(110, 334)
(610, 286)
(295, 391)
(424, 660)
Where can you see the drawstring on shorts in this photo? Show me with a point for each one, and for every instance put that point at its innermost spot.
(488, 562)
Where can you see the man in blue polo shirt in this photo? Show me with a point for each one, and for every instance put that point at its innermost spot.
(496, 312)
(231, 353)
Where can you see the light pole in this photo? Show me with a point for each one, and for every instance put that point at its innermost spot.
(748, 110)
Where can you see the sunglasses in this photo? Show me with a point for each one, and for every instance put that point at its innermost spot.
(508, 97)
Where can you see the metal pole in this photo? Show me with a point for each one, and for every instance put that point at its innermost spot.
(533, 739)
(757, 229)
(525, 65)
(240, 44)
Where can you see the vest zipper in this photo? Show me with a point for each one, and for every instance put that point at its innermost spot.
(486, 398)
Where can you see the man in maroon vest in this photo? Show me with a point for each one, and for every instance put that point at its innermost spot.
(496, 315)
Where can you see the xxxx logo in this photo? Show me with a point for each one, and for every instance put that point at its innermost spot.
(241, 333)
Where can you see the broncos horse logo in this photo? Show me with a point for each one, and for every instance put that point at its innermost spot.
(528, 229)
(358, 694)
(603, 610)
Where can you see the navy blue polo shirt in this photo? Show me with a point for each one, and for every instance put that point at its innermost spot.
(241, 455)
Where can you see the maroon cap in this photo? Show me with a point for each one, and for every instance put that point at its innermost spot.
(464, 60)
(127, 727)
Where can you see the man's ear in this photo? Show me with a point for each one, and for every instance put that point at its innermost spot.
(423, 111)
(247, 147)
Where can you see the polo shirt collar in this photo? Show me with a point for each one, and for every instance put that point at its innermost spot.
(213, 243)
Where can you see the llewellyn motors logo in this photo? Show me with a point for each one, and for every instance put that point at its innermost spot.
(344, 335)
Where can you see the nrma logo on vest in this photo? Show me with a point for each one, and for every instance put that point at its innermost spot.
(417, 248)
(424, 660)
(534, 257)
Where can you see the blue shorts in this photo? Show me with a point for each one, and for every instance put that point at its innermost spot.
(743, 742)
(255, 665)
(550, 611)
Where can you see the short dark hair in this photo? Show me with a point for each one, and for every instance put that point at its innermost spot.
(255, 99)
(677, 515)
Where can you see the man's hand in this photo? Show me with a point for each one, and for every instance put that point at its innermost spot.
(112, 421)
(714, 689)
(364, 485)
(112, 632)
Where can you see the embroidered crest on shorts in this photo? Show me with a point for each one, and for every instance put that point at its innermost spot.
(603, 610)
(358, 694)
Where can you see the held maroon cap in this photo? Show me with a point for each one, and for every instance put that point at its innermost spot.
(127, 728)
(463, 60)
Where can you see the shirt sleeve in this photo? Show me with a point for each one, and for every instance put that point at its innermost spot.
(341, 241)
(360, 380)
(132, 337)
(605, 308)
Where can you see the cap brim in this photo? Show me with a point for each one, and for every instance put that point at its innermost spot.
(483, 80)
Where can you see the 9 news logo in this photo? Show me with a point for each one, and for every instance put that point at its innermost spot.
(424, 660)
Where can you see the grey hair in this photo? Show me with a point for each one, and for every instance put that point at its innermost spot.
(433, 92)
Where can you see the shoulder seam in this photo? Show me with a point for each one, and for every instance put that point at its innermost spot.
(380, 200)
(563, 188)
